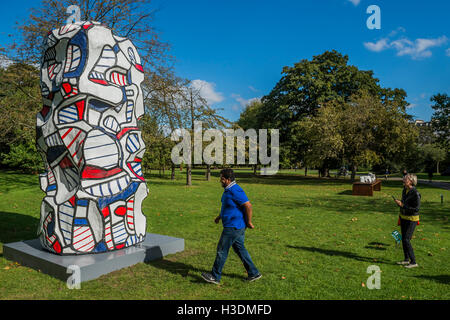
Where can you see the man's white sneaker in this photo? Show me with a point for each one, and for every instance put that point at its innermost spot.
(250, 279)
(208, 277)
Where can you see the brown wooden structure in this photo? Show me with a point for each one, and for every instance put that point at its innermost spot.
(366, 189)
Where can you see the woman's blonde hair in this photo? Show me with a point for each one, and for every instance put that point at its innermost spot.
(412, 178)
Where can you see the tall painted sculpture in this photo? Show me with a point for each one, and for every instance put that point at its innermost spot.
(88, 136)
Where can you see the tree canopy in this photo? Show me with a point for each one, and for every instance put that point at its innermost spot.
(441, 118)
(360, 132)
(318, 96)
(127, 18)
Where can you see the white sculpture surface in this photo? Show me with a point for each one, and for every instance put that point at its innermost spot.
(88, 135)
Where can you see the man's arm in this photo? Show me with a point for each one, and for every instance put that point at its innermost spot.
(248, 214)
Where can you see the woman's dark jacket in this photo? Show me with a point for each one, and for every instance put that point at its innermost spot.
(411, 202)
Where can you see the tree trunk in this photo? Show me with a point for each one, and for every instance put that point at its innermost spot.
(306, 171)
(188, 174)
(189, 166)
(208, 172)
(255, 167)
(160, 163)
(172, 176)
(353, 173)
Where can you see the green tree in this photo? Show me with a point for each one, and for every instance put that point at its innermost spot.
(323, 133)
(361, 132)
(310, 84)
(441, 119)
(158, 144)
(250, 118)
(431, 155)
(20, 100)
(176, 104)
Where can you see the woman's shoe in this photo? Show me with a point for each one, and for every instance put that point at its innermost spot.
(404, 262)
(411, 265)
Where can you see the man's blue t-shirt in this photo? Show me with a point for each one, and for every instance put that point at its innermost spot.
(232, 212)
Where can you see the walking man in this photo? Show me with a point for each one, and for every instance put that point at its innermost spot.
(236, 216)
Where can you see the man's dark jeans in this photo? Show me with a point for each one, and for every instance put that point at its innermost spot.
(407, 232)
(232, 237)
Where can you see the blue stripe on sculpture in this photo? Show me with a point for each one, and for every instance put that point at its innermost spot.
(83, 203)
(51, 187)
(130, 190)
(80, 222)
(80, 40)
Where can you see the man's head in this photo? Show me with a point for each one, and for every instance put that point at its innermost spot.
(226, 177)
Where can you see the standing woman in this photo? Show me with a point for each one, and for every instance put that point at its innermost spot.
(409, 218)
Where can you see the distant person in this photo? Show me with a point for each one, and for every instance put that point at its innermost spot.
(409, 218)
(386, 173)
(236, 215)
(404, 172)
(430, 172)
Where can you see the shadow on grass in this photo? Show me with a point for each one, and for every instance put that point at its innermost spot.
(377, 246)
(16, 227)
(12, 180)
(186, 270)
(430, 213)
(445, 279)
(345, 254)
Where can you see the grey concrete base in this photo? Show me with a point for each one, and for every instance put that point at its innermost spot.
(30, 253)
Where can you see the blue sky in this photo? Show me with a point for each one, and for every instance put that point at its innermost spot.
(235, 50)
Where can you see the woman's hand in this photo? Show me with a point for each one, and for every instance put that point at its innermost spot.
(399, 203)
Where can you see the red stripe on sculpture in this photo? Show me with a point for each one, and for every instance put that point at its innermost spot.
(97, 173)
(125, 130)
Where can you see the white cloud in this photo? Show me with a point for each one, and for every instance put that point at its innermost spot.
(396, 31)
(355, 2)
(411, 105)
(207, 91)
(417, 49)
(378, 46)
(447, 52)
(253, 89)
(243, 102)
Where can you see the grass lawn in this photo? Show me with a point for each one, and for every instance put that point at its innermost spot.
(313, 240)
